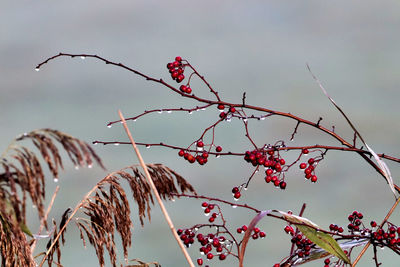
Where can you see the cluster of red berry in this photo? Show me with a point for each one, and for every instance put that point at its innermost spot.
(257, 233)
(309, 171)
(390, 237)
(208, 207)
(303, 245)
(200, 156)
(176, 69)
(355, 221)
(208, 243)
(273, 164)
(387, 237)
(223, 114)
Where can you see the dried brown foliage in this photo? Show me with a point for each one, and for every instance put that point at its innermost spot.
(22, 175)
(108, 209)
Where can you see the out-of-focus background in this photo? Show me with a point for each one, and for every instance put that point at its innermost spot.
(260, 47)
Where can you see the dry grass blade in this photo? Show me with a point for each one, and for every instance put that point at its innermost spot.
(382, 165)
(106, 209)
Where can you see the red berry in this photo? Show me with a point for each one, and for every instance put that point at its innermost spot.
(254, 236)
(268, 179)
(305, 151)
(282, 184)
(174, 74)
(205, 155)
(282, 161)
(235, 190)
(303, 165)
(314, 178)
(179, 59)
(183, 88)
(211, 206)
(307, 171)
(204, 204)
(277, 182)
(170, 65)
(239, 230)
(181, 153)
(269, 172)
(311, 161)
(256, 230)
(212, 219)
(232, 109)
(244, 227)
(188, 90)
(221, 107)
(200, 262)
(218, 149)
(180, 78)
(200, 143)
(276, 265)
(327, 261)
(262, 234)
(207, 211)
(222, 115)
(222, 257)
(237, 195)
(210, 256)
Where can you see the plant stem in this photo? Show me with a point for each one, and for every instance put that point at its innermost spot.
(155, 192)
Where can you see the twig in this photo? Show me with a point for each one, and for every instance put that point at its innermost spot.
(155, 192)
(45, 217)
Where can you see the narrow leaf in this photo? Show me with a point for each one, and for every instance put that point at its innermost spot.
(323, 240)
(384, 169)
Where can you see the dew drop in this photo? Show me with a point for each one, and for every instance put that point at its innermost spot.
(109, 125)
(135, 120)
(83, 57)
(262, 118)
(245, 188)
(256, 171)
(55, 180)
(33, 206)
(116, 144)
(234, 206)
(228, 119)
(173, 199)
(199, 149)
(76, 167)
(90, 166)
(262, 237)
(196, 229)
(245, 119)
(37, 69)
(382, 248)
(190, 112)
(203, 109)
(217, 156)
(95, 143)
(160, 112)
(169, 111)
(207, 214)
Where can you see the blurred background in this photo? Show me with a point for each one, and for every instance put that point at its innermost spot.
(260, 47)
